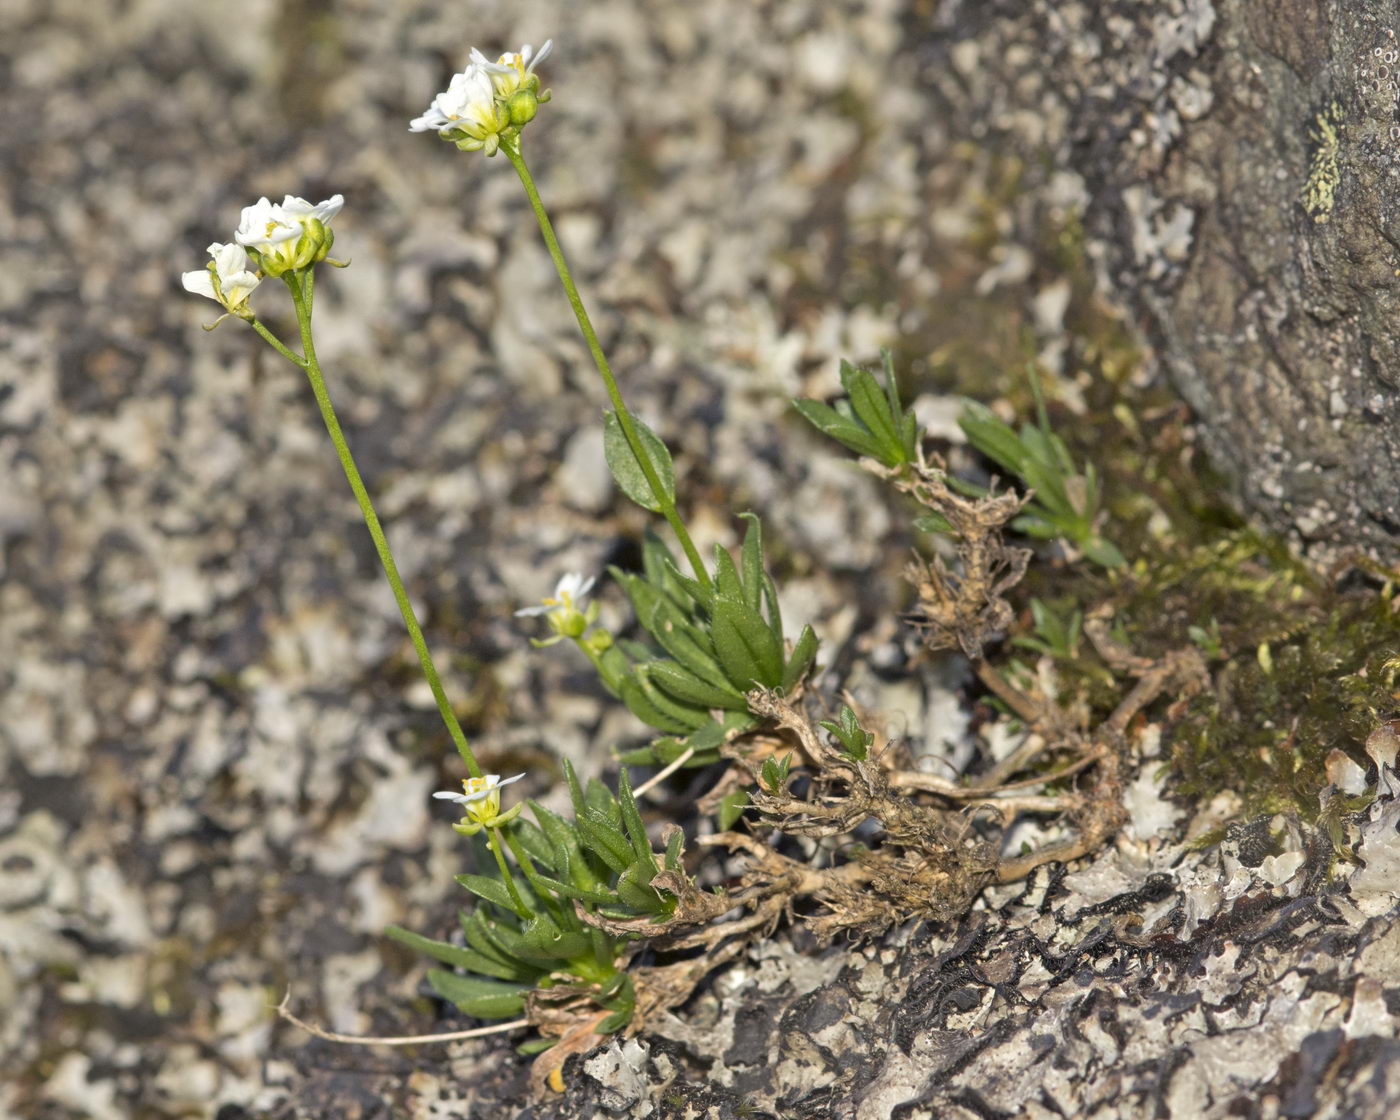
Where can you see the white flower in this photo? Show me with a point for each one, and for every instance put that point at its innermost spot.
(482, 800)
(226, 279)
(469, 107)
(288, 236)
(569, 594)
(488, 101)
(515, 69)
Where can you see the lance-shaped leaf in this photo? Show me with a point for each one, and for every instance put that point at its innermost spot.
(604, 839)
(493, 890)
(462, 956)
(801, 659)
(751, 556)
(747, 650)
(641, 702)
(546, 939)
(846, 430)
(690, 689)
(486, 999)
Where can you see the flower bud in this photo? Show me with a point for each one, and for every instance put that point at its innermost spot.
(522, 105)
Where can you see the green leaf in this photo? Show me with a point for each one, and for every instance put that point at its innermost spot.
(635, 696)
(751, 555)
(459, 955)
(535, 1046)
(775, 610)
(687, 687)
(693, 588)
(932, 523)
(802, 655)
(690, 647)
(627, 469)
(682, 713)
(578, 870)
(749, 654)
(844, 430)
(992, 436)
(476, 927)
(535, 842)
(727, 581)
(485, 999)
(575, 790)
(635, 889)
(546, 939)
(507, 941)
(632, 821)
(871, 407)
(674, 847)
(493, 890)
(604, 840)
(731, 806)
(583, 894)
(559, 831)
(1104, 553)
(601, 800)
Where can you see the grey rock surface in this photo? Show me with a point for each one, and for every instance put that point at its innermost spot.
(215, 755)
(1239, 163)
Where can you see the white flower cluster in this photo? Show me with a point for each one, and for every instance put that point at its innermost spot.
(270, 240)
(487, 101)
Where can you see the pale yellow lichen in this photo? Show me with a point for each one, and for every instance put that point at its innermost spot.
(1319, 192)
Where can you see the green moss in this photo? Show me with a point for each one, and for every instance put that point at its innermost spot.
(1280, 708)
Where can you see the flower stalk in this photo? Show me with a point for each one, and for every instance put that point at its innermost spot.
(301, 285)
(511, 147)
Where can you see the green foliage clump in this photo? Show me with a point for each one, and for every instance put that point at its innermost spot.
(709, 644)
(526, 933)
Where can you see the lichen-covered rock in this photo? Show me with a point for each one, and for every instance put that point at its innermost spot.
(1237, 162)
(214, 753)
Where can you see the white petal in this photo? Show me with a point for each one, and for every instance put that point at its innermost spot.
(229, 260)
(330, 207)
(238, 287)
(448, 795)
(507, 781)
(431, 121)
(295, 207)
(523, 612)
(200, 283)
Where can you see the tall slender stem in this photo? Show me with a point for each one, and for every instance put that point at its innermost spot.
(629, 429)
(301, 296)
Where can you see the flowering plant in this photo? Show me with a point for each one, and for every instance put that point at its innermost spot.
(559, 930)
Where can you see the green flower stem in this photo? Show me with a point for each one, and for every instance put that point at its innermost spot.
(493, 841)
(301, 296)
(629, 429)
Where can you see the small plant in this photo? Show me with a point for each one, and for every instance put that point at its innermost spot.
(558, 931)
(1054, 635)
(1065, 501)
(847, 731)
(868, 420)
